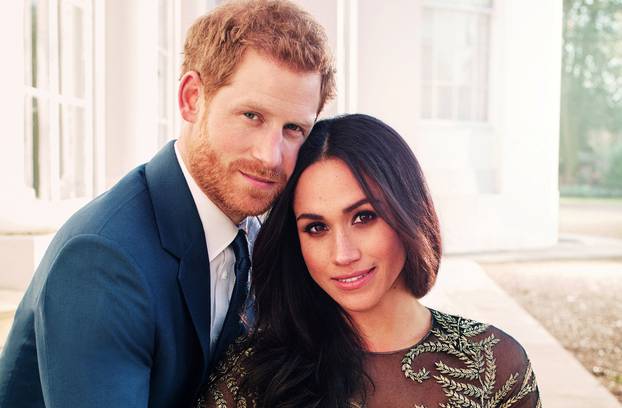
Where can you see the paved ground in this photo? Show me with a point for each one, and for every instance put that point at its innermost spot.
(464, 288)
(574, 290)
(592, 217)
(583, 313)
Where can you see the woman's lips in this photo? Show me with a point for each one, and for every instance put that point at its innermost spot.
(353, 281)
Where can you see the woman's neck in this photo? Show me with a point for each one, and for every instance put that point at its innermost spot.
(395, 325)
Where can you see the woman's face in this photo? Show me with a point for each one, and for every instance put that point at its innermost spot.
(351, 253)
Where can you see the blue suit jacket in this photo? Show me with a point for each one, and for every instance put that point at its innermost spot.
(118, 312)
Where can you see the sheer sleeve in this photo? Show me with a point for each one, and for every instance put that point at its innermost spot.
(223, 389)
(520, 390)
(460, 363)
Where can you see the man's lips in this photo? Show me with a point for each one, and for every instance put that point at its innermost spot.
(259, 179)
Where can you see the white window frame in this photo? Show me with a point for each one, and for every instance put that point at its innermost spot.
(50, 179)
(434, 117)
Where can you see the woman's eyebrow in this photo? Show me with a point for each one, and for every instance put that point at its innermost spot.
(355, 205)
(309, 217)
(350, 208)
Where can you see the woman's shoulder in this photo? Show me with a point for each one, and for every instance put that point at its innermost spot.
(462, 329)
(466, 349)
(456, 334)
(224, 385)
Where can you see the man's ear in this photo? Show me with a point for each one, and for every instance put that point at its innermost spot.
(189, 95)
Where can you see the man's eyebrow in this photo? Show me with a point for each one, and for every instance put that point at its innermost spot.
(316, 217)
(306, 124)
(250, 105)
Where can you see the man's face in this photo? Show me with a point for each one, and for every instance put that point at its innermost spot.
(245, 145)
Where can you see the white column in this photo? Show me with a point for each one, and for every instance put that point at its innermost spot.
(131, 85)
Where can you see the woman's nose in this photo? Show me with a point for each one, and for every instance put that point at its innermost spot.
(346, 250)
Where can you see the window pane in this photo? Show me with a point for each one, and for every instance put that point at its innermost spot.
(73, 158)
(455, 60)
(483, 52)
(71, 49)
(36, 143)
(444, 39)
(163, 29)
(444, 103)
(427, 102)
(465, 103)
(36, 44)
(480, 107)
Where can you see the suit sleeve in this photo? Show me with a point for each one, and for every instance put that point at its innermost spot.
(94, 328)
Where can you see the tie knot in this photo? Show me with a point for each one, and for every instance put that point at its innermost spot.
(240, 249)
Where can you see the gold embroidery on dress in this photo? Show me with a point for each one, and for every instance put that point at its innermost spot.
(453, 337)
(231, 371)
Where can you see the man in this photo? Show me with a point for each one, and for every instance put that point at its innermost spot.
(130, 305)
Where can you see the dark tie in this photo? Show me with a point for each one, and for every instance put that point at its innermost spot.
(242, 265)
(231, 327)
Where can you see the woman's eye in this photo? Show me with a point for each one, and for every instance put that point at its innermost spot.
(315, 228)
(251, 115)
(364, 217)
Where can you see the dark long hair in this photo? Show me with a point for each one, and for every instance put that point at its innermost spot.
(306, 350)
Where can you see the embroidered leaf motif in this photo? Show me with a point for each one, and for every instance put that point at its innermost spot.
(467, 389)
(503, 391)
(467, 373)
(473, 384)
(418, 376)
(470, 382)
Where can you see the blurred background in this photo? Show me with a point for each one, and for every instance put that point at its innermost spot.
(513, 108)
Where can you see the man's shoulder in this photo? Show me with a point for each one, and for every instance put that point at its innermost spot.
(121, 218)
(125, 205)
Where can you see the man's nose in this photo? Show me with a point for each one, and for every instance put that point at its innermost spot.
(346, 249)
(268, 147)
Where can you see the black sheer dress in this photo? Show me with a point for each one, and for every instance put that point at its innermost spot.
(459, 363)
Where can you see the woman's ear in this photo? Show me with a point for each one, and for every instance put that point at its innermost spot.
(188, 98)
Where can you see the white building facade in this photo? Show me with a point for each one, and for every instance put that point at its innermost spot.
(89, 92)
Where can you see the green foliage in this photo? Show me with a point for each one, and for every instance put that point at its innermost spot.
(613, 174)
(591, 104)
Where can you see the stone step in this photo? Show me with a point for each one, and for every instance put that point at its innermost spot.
(9, 299)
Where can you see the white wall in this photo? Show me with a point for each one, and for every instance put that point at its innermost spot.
(494, 184)
(131, 84)
(131, 78)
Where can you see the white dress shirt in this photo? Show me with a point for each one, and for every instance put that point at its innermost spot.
(220, 232)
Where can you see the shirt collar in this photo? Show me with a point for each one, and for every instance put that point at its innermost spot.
(219, 230)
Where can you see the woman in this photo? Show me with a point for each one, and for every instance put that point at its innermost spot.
(338, 268)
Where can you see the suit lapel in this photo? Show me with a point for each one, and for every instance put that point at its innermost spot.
(194, 281)
(181, 233)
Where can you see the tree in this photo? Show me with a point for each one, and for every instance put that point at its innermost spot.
(591, 100)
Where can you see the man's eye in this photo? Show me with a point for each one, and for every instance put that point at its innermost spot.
(364, 217)
(294, 127)
(251, 115)
(315, 228)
